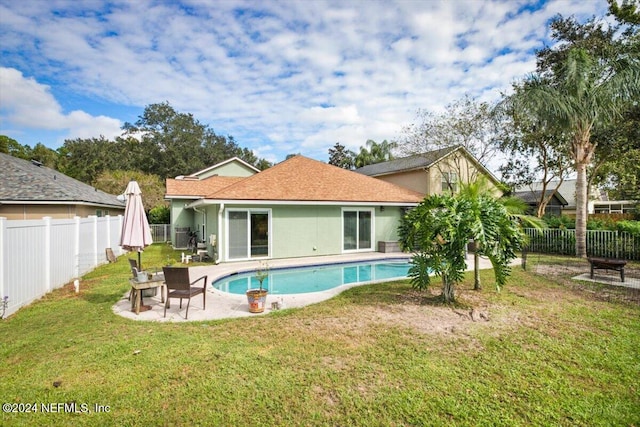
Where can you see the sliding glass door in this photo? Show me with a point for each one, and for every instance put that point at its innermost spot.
(357, 230)
(248, 234)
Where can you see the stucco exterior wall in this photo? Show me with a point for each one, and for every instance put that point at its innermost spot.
(306, 231)
(416, 180)
(300, 231)
(429, 181)
(229, 169)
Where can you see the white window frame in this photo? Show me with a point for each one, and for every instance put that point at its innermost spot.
(373, 229)
(447, 178)
(249, 211)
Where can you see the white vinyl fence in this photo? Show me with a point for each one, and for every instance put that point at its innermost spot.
(37, 256)
(160, 232)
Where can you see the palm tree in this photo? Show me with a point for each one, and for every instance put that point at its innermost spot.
(477, 193)
(373, 153)
(582, 94)
(439, 229)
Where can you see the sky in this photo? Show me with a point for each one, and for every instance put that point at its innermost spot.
(281, 77)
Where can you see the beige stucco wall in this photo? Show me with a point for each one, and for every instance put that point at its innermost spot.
(21, 212)
(416, 180)
(429, 181)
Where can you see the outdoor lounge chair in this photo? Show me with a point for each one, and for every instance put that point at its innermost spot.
(179, 286)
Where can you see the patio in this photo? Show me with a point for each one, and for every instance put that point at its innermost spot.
(222, 305)
(609, 278)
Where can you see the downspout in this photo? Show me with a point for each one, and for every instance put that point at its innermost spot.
(204, 224)
(217, 249)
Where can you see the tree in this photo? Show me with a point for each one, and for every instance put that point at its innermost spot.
(115, 182)
(627, 12)
(534, 153)
(45, 155)
(85, 159)
(579, 95)
(13, 148)
(373, 153)
(617, 156)
(160, 215)
(465, 122)
(439, 229)
(179, 144)
(477, 193)
(341, 157)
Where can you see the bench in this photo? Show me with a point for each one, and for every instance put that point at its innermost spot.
(608, 264)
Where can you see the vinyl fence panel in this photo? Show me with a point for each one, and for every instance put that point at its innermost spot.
(37, 256)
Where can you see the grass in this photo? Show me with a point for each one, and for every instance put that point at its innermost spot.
(379, 355)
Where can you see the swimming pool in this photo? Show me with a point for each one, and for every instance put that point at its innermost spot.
(299, 280)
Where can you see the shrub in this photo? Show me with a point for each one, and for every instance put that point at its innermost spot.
(562, 222)
(632, 227)
(160, 215)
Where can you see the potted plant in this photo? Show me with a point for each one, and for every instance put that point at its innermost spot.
(257, 298)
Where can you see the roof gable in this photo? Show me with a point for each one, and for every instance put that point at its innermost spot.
(23, 181)
(424, 161)
(302, 179)
(533, 196)
(403, 164)
(231, 167)
(197, 188)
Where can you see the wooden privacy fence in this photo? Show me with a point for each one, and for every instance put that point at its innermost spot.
(38, 256)
(600, 243)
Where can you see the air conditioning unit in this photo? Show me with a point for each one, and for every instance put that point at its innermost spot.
(182, 237)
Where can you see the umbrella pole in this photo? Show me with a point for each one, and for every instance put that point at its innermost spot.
(140, 267)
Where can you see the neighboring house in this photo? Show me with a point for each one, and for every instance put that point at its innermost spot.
(614, 206)
(433, 172)
(598, 202)
(29, 190)
(300, 207)
(532, 198)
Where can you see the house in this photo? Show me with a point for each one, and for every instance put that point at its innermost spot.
(29, 190)
(598, 201)
(555, 205)
(300, 207)
(433, 172)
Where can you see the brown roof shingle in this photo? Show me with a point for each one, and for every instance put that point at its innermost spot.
(302, 179)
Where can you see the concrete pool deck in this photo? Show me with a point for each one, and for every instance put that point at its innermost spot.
(222, 305)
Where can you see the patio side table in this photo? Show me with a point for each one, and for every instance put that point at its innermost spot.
(156, 281)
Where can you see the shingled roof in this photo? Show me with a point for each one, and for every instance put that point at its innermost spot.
(23, 182)
(533, 196)
(300, 179)
(418, 161)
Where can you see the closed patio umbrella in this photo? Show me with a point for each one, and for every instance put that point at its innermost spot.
(136, 233)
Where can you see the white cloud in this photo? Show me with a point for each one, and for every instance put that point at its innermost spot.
(275, 75)
(29, 104)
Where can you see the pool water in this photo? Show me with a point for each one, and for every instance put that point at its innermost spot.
(301, 280)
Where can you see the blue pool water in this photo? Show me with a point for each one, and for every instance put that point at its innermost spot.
(301, 280)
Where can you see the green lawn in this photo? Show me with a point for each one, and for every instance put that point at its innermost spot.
(542, 352)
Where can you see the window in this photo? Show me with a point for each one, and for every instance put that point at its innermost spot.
(357, 230)
(449, 182)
